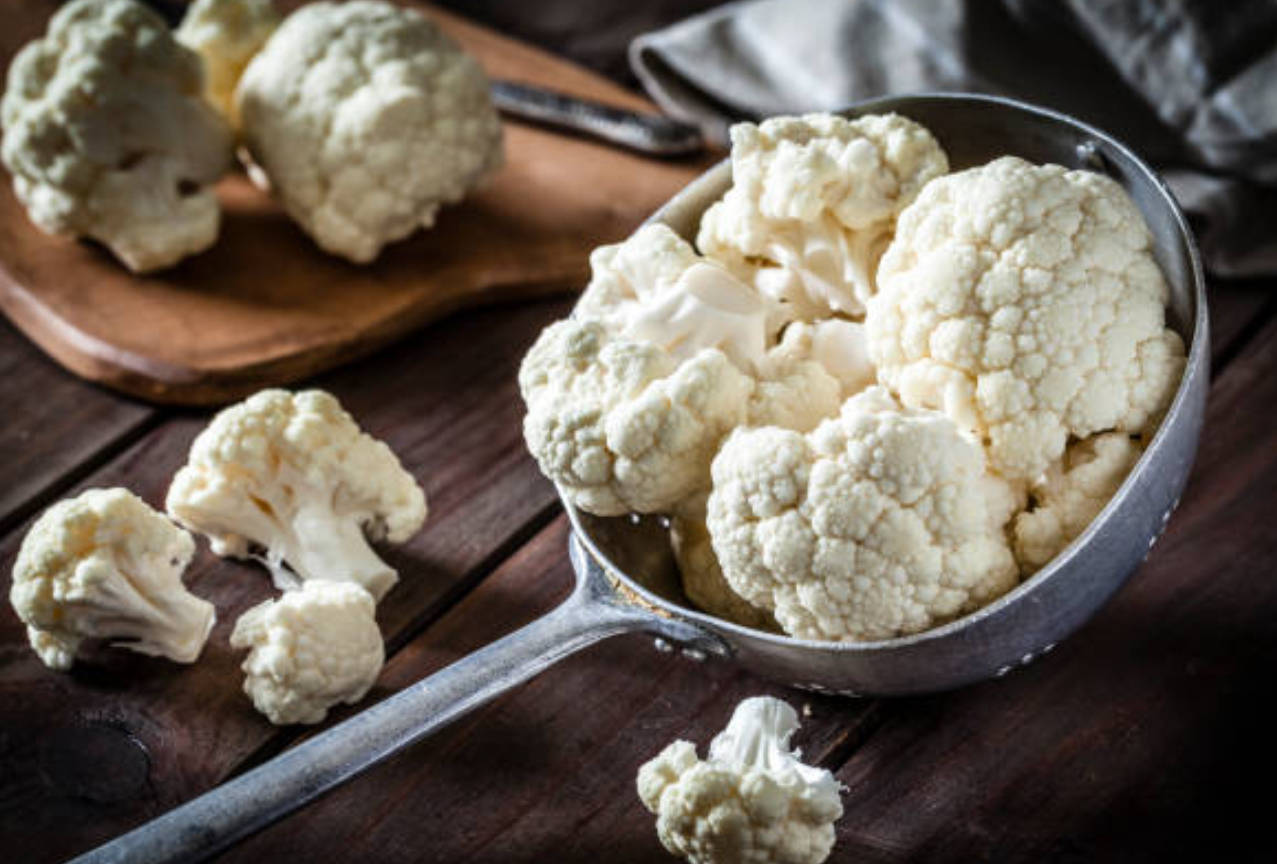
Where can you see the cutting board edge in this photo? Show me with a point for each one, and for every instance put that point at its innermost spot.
(157, 382)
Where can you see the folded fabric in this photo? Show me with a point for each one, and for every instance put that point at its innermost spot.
(1187, 84)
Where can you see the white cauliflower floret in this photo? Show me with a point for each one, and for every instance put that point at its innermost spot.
(619, 425)
(1024, 302)
(653, 287)
(290, 479)
(1073, 492)
(104, 565)
(107, 135)
(226, 34)
(838, 346)
(813, 202)
(310, 649)
(883, 521)
(703, 581)
(367, 119)
(753, 801)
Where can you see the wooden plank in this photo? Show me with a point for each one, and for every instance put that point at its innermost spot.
(546, 772)
(123, 737)
(1237, 309)
(52, 423)
(1145, 737)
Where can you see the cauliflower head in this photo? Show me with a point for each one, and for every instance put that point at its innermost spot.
(703, 581)
(107, 135)
(813, 203)
(1024, 301)
(309, 650)
(226, 34)
(104, 565)
(1071, 494)
(620, 425)
(753, 801)
(367, 119)
(883, 521)
(289, 478)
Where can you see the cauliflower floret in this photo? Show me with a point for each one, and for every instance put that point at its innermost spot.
(107, 135)
(1024, 302)
(293, 476)
(753, 801)
(104, 565)
(881, 522)
(1073, 492)
(813, 202)
(838, 346)
(703, 581)
(226, 34)
(619, 425)
(653, 287)
(367, 119)
(310, 649)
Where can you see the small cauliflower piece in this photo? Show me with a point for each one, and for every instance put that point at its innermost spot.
(367, 119)
(1024, 301)
(753, 801)
(813, 203)
(883, 521)
(226, 34)
(309, 650)
(838, 346)
(1073, 492)
(104, 565)
(703, 581)
(620, 425)
(107, 135)
(654, 287)
(289, 478)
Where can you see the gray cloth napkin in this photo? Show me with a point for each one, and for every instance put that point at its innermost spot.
(1189, 84)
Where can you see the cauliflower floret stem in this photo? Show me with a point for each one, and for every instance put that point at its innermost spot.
(174, 625)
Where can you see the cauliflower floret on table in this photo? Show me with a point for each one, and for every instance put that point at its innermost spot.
(702, 578)
(226, 34)
(367, 119)
(1024, 301)
(1071, 494)
(753, 801)
(309, 650)
(813, 202)
(289, 478)
(104, 565)
(883, 521)
(107, 135)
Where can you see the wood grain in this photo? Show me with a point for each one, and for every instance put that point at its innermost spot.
(266, 306)
(122, 737)
(51, 424)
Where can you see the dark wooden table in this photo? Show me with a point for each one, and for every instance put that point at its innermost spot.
(1147, 736)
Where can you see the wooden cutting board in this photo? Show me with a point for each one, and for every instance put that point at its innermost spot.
(266, 306)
